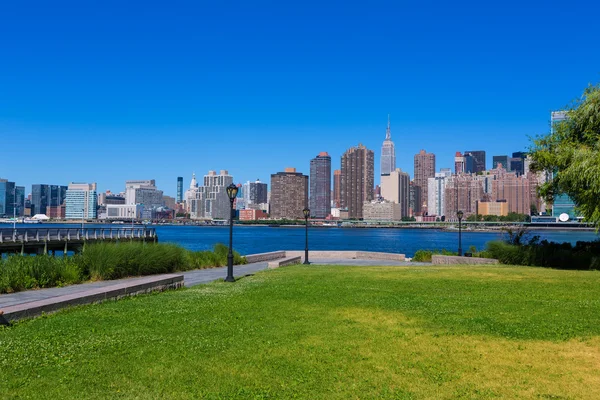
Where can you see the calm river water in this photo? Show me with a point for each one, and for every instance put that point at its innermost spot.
(260, 239)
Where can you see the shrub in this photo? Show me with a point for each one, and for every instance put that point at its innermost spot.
(31, 272)
(425, 255)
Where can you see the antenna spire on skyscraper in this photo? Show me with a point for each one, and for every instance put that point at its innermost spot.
(388, 134)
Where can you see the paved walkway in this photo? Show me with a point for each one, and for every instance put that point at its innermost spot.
(191, 278)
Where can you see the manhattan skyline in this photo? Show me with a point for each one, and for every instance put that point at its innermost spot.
(111, 94)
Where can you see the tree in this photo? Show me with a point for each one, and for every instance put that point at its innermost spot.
(571, 151)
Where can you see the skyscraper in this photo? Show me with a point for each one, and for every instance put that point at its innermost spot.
(478, 160)
(388, 152)
(81, 201)
(500, 160)
(255, 193)
(7, 198)
(320, 186)
(211, 200)
(424, 169)
(395, 188)
(337, 188)
(179, 197)
(358, 179)
(43, 196)
(436, 192)
(289, 194)
(517, 162)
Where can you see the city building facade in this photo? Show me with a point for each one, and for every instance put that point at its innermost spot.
(81, 201)
(43, 196)
(179, 196)
(424, 169)
(502, 160)
(211, 200)
(478, 160)
(289, 194)
(337, 188)
(320, 186)
(436, 187)
(7, 198)
(388, 152)
(461, 193)
(382, 211)
(513, 189)
(395, 188)
(254, 193)
(358, 179)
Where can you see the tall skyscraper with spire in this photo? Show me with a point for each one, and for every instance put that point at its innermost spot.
(388, 152)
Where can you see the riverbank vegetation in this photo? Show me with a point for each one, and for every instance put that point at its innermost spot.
(104, 261)
(323, 332)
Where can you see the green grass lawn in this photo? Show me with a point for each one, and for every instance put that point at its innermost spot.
(323, 333)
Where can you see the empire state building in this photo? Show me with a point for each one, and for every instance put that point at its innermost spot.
(388, 153)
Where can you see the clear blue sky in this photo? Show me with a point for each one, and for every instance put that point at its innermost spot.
(105, 91)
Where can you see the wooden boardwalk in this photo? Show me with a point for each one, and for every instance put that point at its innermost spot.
(49, 240)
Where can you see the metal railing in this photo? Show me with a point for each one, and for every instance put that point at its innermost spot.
(41, 235)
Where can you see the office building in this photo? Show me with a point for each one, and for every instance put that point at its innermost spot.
(388, 153)
(81, 201)
(382, 211)
(517, 163)
(395, 188)
(424, 169)
(7, 198)
(289, 194)
(20, 200)
(414, 198)
(337, 188)
(320, 186)
(436, 187)
(478, 160)
(143, 192)
(211, 200)
(358, 179)
(179, 195)
(502, 160)
(43, 196)
(254, 193)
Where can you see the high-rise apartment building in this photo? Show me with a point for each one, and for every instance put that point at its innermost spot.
(513, 189)
(337, 188)
(81, 201)
(436, 187)
(503, 160)
(254, 193)
(289, 194)
(478, 160)
(358, 179)
(424, 169)
(179, 196)
(320, 186)
(414, 198)
(388, 152)
(395, 188)
(20, 193)
(211, 200)
(461, 193)
(43, 196)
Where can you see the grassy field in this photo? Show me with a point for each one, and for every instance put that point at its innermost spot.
(324, 333)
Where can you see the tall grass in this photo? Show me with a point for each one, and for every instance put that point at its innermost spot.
(104, 261)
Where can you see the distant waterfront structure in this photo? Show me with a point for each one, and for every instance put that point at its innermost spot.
(517, 163)
(320, 186)
(424, 169)
(414, 198)
(20, 193)
(512, 188)
(358, 179)
(395, 188)
(255, 193)
(382, 211)
(179, 196)
(81, 201)
(190, 194)
(478, 160)
(143, 192)
(43, 196)
(503, 160)
(436, 187)
(337, 188)
(211, 200)
(7, 198)
(289, 194)
(462, 192)
(388, 152)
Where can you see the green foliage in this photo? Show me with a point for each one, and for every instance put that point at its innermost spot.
(572, 153)
(425, 255)
(104, 261)
(582, 256)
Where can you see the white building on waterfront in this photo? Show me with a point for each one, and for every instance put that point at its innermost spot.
(211, 201)
(143, 192)
(435, 192)
(382, 211)
(80, 201)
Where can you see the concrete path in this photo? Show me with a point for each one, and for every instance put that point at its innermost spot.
(191, 278)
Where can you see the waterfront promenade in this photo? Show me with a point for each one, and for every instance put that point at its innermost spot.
(37, 300)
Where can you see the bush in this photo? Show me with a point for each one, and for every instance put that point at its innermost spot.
(425, 255)
(103, 261)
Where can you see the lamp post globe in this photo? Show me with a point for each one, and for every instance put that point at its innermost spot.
(232, 191)
(306, 213)
(460, 215)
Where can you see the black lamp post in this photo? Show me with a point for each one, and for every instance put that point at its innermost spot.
(231, 193)
(460, 217)
(306, 212)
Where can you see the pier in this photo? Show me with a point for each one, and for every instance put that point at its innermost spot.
(50, 240)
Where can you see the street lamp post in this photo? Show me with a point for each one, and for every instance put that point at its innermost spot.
(460, 217)
(306, 212)
(82, 220)
(231, 193)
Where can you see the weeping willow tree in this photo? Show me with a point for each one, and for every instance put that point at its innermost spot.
(571, 151)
